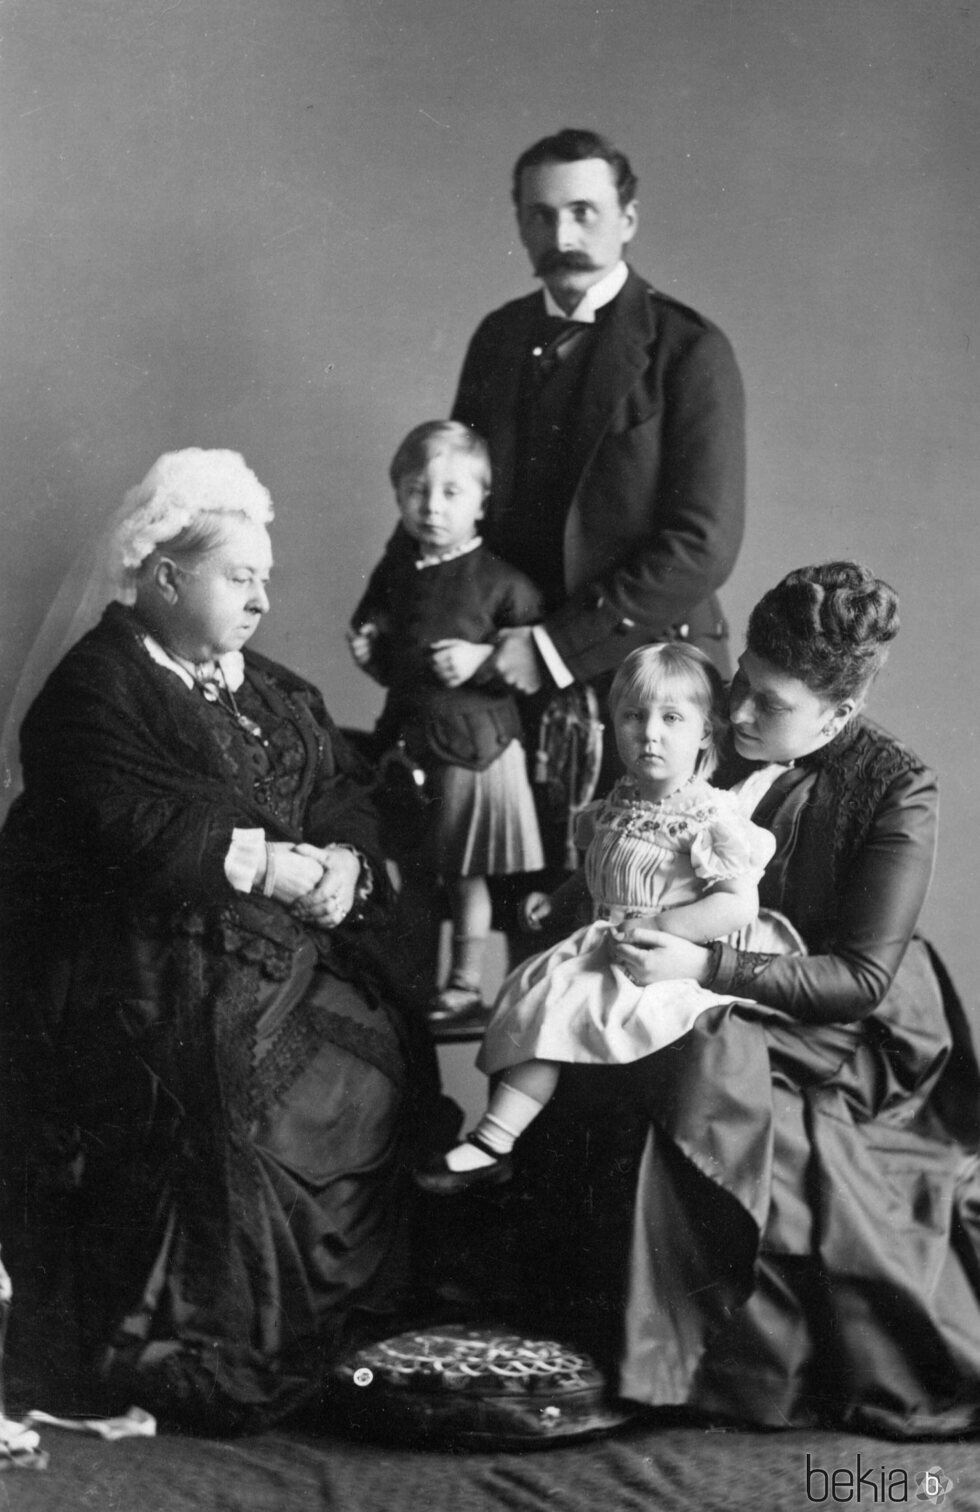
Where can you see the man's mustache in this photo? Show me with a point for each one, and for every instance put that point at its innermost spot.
(564, 262)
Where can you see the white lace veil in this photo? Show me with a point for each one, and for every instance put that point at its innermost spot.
(84, 593)
(180, 487)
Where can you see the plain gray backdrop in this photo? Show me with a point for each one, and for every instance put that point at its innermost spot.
(273, 224)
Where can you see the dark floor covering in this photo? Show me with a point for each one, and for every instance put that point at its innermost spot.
(651, 1465)
(655, 1464)
(637, 1470)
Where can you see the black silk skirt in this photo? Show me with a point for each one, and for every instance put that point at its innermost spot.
(773, 1222)
(244, 1221)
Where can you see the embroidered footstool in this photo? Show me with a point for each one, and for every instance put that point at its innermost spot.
(476, 1388)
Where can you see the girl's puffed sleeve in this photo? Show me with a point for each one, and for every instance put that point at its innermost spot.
(729, 846)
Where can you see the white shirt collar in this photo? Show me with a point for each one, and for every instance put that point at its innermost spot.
(595, 296)
(449, 556)
(232, 665)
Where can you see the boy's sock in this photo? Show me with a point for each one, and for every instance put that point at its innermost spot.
(467, 961)
(510, 1112)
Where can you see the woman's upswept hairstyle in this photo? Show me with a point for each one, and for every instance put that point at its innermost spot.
(422, 443)
(652, 671)
(180, 504)
(830, 626)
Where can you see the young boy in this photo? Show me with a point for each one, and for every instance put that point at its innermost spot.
(425, 629)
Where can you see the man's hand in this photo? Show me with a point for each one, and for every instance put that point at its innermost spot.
(536, 907)
(455, 661)
(516, 660)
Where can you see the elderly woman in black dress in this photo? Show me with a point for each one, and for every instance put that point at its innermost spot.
(200, 1036)
(805, 1242)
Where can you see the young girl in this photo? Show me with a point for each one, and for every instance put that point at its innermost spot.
(425, 629)
(665, 850)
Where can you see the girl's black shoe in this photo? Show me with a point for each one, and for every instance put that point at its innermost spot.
(435, 1176)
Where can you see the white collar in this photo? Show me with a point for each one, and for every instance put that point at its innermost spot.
(451, 555)
(232, 665)
(752, 789)
(595, 296)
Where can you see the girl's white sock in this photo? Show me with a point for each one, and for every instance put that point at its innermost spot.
(509, 1114)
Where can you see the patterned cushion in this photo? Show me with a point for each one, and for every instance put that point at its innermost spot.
(474, 1388)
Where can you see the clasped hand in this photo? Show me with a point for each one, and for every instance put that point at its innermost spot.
(646, 954)
(318, 883)
(455, 661)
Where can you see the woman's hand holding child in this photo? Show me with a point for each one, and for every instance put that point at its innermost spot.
(646, 954)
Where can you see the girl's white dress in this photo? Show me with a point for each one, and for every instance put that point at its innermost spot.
(570, 1003)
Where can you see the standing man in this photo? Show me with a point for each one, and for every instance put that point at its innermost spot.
(615, 420)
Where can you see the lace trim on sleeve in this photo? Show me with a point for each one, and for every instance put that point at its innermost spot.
(365, 882)
(735, 971)
(748, 968)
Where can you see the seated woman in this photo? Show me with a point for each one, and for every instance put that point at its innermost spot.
(805, 1244)
(200, 1034)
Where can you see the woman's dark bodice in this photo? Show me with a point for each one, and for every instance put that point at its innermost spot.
(855, 826)
(276, 764)
(136, 782)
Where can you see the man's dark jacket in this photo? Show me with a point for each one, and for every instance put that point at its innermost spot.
(655, 522)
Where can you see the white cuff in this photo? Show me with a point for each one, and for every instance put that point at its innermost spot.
(546, 646)
(245, 859)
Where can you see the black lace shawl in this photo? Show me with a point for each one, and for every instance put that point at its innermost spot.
(113, 891)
